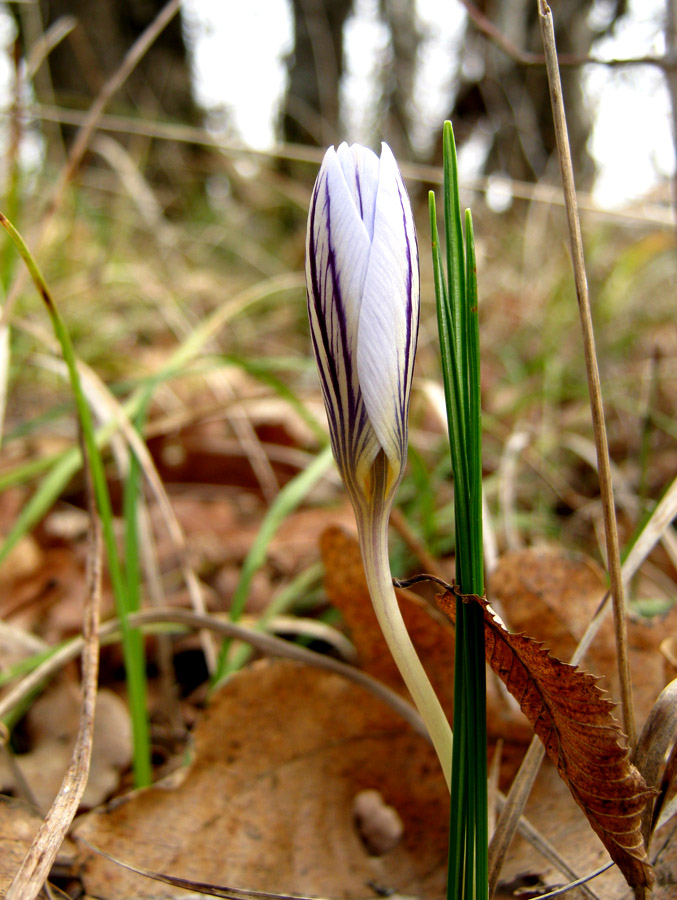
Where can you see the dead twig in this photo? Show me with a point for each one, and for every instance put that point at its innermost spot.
(526, 776)
(486, 27)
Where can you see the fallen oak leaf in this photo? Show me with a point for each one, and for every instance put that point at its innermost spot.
(573, 720)
(267, 802)
(347, 591)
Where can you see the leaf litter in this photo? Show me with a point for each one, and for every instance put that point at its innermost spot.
(572, 717)
(267, 742)
(281, 757)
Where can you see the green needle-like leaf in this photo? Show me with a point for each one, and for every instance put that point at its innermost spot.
(457, 314)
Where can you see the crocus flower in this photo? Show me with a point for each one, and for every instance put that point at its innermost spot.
(362, 282)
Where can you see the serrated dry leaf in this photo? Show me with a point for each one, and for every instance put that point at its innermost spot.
(551, 594)
(572, 717)
(562, 822)
(268, 803)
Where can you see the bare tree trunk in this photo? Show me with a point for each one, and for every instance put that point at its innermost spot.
(160, 86)
(311, 113)
(671, 76)
(397, 77)
(510, 102)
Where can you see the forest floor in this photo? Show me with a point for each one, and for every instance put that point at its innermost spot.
(290, 778)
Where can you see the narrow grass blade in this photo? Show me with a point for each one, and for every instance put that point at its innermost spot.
(134, 662)
(286, 501)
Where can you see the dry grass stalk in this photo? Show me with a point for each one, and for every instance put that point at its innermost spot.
(108, 409)
(592, 370)
(647, 213)
(34, 870)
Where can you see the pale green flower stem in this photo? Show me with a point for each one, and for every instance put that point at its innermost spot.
(372, 521)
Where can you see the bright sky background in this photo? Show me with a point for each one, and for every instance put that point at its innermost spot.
(239, 65)
(239, 50)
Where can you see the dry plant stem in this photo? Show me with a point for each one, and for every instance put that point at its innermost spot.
(231, 893)
(43, 46)
(487, 27)
(493, 781)
(652, 213)
(40, 41)
(512, 810)
(606, 487)
(658, 736)
(34, 869)
(107, 92)
(87, 128)
(266, 643)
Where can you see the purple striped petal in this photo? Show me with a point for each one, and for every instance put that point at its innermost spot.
(363, 300)
(389, 313)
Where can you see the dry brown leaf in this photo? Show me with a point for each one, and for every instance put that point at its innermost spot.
(268, 803)
(18, 826)
(551, 595)
(563, 824)
(51, 724)
(572, 717)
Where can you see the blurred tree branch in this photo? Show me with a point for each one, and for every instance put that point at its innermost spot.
(484, 25)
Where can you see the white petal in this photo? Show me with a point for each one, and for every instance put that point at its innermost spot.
(361, 169)
(388, 326)
(337, 256)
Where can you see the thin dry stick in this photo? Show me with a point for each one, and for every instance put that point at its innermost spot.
(34, 869)
(524, 58)
(43, 46)
(525, 778)
(606, 486)
(417, 547)
(265, 643)
(648, 213)
(131, 60)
